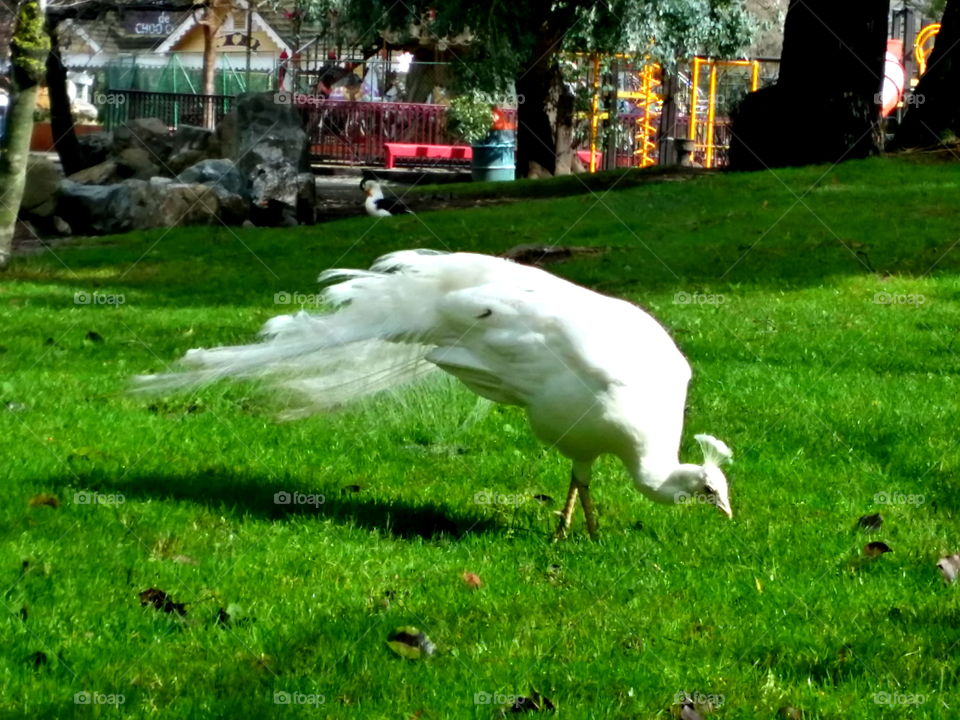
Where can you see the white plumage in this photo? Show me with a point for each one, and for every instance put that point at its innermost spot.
(596, 375)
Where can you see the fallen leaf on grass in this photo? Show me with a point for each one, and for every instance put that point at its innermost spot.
(346, 489)
(94, 336)
(161, 601)
(949, 567)
(472, 580)
(870, 522)
(543, 499)
(44, 499)
(410, 643)
(788, 712)
(184, 560)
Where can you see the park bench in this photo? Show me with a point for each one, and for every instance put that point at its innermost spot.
(416, 150)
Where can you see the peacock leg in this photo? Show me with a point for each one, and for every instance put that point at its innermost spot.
(588, 511)
(566, 515)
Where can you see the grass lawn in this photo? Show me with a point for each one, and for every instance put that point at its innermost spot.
(819, 309)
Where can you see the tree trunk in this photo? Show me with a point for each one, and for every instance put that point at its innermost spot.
(208, 85)
(61, 117)
(824, 106)
(28, 53)
(536, 147)
(934, 114)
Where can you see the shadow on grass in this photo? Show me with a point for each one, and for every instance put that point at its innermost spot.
(274, 499)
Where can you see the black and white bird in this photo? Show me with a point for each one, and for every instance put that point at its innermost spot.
(377, 205)
(595, 375)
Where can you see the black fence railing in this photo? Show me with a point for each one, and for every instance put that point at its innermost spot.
(174, 109)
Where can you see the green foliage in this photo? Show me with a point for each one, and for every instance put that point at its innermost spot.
(470, 116)
(506, 38)
(30, 45)
(834, 383)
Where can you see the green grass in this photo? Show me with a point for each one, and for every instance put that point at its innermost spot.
(823, 338)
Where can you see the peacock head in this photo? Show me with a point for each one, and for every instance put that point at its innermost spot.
(714, 483)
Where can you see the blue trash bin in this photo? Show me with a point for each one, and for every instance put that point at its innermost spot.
(493, 159)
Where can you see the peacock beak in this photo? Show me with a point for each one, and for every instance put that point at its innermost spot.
(724, 507)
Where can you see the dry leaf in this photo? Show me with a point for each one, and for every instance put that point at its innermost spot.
(472, 580)
(161, 601)
(870, 522)
(876, 549)
(44, 499)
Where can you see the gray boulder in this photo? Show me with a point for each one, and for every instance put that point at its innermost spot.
(102, 209)
(191, 137)
(104, 173)
(216, 173)
(150, 134)
(40, 188)
(95, 147)
(137, 163)
(182, 160)
(266, 132)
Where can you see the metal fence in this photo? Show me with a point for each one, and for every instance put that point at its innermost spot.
(174, 109)
(355, 132)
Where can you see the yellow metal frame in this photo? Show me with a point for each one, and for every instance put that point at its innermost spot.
(919, 53)
(699, 63)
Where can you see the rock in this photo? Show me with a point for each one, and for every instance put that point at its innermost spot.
(137, 163)
(61, 226)
(228, 136)
(95, 209)
(220, 173)
(199, 139)
(182, 204)
(150, 134)
(266, 132)
(247, 224)
(233, 208)
(275, 181)
(182, 160)
(40, 187)
(103, 174)
(95, 147)
(306, 198)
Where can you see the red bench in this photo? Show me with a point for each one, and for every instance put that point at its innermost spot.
(415, 150)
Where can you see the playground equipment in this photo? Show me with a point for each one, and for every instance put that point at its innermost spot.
(644, 117)
(894, 77)
(703, 132)
(921, 51)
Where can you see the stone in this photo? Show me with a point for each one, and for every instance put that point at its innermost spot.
(183, 204)
(306, 198)
(40, 187)
(137, 163)
(103, 174)
(61, 226)
(150, 134)
(221, 173)
(191, 137)
(95, 147)
(95, 209)
(268, 132)
(184, 159)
